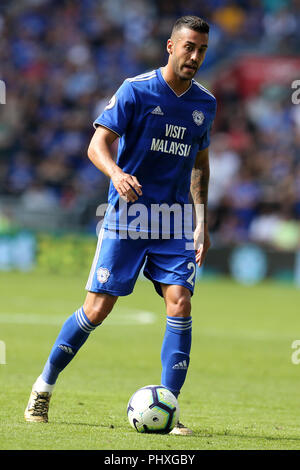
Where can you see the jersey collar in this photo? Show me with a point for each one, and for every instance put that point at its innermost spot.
(163, 81)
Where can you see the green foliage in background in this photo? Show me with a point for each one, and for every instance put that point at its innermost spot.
(64, 254)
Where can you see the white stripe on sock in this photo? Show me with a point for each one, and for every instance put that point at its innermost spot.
(82, 323)
(86, 323)
(179, 323)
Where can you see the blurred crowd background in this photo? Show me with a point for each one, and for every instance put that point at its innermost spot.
(62, 60)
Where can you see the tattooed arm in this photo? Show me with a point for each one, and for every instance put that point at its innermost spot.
(199, 193)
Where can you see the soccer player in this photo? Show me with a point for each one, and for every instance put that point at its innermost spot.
(163, 119)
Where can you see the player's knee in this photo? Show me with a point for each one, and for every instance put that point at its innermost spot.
(98, 307)
(179, 306)
(95, 314)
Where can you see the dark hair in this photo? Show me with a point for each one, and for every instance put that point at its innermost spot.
(191, 22)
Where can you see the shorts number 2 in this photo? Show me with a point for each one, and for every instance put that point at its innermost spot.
(190, 279)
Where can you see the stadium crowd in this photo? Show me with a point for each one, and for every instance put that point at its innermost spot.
(62, 60)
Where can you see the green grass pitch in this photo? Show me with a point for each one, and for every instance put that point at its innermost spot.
(242, 389)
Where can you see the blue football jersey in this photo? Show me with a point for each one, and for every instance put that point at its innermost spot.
(160, 135)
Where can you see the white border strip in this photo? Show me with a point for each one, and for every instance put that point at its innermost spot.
(95, 260)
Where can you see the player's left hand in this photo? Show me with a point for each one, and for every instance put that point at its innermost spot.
(201, 242)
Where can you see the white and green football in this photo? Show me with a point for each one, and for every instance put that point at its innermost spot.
(153, 409)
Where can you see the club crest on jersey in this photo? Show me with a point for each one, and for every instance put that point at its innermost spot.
(111, 102)
(198, 117)
(103, 275)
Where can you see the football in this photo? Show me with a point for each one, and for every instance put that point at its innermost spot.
(153, 409)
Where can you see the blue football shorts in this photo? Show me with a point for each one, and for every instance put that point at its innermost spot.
(118, 262)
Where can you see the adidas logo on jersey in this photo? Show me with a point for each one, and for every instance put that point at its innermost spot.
(157, 111)
(181, 365)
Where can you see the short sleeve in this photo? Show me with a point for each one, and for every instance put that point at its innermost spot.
(205, 139)
(119, 110)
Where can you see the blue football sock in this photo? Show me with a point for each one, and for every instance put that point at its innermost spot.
(72, 336)
(175, 353)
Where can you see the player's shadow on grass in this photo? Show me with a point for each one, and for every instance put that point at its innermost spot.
(199, 434)
(244, 436)
(92, 425)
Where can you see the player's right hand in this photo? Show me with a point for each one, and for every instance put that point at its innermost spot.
(127, 186)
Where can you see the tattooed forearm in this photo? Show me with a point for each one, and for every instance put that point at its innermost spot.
(200, 181)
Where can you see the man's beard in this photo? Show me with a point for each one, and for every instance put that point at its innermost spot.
(179, 70)
(183, 76)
